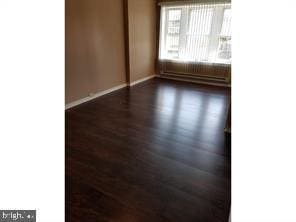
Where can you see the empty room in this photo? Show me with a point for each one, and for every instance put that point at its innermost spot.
(148, 110)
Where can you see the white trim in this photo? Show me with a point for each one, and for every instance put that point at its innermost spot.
(96, 95)
(213, 63)
(141, 80)
(190, 2)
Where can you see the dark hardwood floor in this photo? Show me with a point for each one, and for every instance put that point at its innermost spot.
(155, 152)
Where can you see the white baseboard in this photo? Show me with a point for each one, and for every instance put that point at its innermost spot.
(96, 95)
(141, 80)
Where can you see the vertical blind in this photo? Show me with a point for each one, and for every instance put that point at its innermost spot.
(196, 32)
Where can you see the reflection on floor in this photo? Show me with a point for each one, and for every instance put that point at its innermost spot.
(155, 152)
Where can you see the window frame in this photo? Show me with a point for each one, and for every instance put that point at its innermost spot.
(214, 35)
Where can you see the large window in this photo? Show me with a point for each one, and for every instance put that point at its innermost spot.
(196, 33)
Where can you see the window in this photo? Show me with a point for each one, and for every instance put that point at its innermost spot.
(196, 33)
(224, 50)
(173, 32)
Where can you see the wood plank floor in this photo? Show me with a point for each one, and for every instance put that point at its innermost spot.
(155, 152)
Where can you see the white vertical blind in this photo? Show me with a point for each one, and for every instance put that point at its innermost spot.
(196, 32)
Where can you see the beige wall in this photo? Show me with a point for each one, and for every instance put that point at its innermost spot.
(96, 41)
(95, 53)
(142, 38)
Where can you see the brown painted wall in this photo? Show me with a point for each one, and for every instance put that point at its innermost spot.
(95, 56)
(142, 38)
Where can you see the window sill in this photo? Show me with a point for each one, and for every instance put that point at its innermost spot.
(196, 62)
